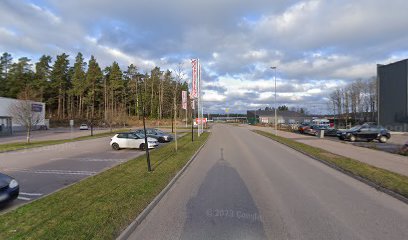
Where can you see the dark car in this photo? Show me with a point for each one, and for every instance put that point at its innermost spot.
(156, 133)
(9, 189)
(330, 132)
(365, 132)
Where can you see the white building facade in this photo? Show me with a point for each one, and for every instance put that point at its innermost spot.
(8, 125)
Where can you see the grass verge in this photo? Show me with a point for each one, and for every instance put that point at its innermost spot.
(101, 206)
(394, 182)
(6, 147)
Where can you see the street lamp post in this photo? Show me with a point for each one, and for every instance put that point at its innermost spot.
(276, 118)
(146, 144)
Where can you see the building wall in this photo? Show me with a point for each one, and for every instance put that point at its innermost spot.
(393, 95)
(7, 103)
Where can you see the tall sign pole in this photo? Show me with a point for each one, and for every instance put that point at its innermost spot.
(195, 91)
(198, 99)
(184, 102)
(193, 95)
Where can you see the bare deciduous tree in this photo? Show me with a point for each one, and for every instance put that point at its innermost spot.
(179, 76)
(22, 112)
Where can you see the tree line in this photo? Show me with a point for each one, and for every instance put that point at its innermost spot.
(85, 90)
(357, 101)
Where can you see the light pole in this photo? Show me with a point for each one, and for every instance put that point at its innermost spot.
(276, 118)
(146, 143)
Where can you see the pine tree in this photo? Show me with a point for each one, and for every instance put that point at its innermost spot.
(42, 75)
(78, 82)
(59, 82)
(93, 81)
(19, 77)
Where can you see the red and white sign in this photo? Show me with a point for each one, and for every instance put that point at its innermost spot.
(184, 99)
(194, 94)
(199, 120)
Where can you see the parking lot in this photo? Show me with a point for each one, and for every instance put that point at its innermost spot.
(41, 171)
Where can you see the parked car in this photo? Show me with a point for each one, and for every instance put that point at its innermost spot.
(330, 132)
(83, 127)
(131, 140)
(303, 127)
(367, 132)
(157, 134)
(9, 189)
(314, 129)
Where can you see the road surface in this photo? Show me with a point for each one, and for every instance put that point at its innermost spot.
(245, 186)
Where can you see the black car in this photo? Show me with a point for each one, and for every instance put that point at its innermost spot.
(156, 133)
(367, 132)
(9, 189)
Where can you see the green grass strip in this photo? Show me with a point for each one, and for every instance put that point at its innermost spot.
(101, 206)
(6, 147)
(392, 181)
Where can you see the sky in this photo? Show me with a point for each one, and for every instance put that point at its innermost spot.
(315, 45)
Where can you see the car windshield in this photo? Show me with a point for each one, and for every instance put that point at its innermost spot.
(355, 128)
(139, 135)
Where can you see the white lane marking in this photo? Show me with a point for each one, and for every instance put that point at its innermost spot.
(100, 160)
(31, 194)
(24, 198)
(62, 172)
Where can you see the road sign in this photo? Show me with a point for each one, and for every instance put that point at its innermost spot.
(35, 107)
(71, 123)
(201, 120)
(194, 78)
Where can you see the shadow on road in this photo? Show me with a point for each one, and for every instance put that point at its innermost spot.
(223, 208)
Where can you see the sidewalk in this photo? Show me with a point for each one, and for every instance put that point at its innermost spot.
(388, 161)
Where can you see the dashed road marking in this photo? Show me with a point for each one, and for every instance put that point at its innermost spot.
(31, 194)
(100, 160)
(24, 198)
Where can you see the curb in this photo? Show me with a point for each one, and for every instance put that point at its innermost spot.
(350, 174)
(139, 219)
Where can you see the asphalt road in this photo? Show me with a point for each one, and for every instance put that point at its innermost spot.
(245, 186)
(43, 170)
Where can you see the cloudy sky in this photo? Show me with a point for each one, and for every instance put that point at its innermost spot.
(315, 45)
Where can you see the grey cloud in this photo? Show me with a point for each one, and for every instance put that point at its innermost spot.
(311, 42)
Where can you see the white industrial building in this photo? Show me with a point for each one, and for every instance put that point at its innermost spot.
(8, 125)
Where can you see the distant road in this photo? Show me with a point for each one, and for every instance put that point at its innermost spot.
(245, 186)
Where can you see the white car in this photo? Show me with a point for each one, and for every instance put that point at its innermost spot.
(83, 127)
(131, 140)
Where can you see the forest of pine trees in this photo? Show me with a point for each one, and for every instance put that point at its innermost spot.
(85, 90)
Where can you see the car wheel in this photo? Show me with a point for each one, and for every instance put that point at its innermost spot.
(383, 139)
(115, 146)
(352, 138)
(161, 140)
(142, 146)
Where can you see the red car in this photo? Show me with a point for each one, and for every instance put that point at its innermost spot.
(303, 128)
